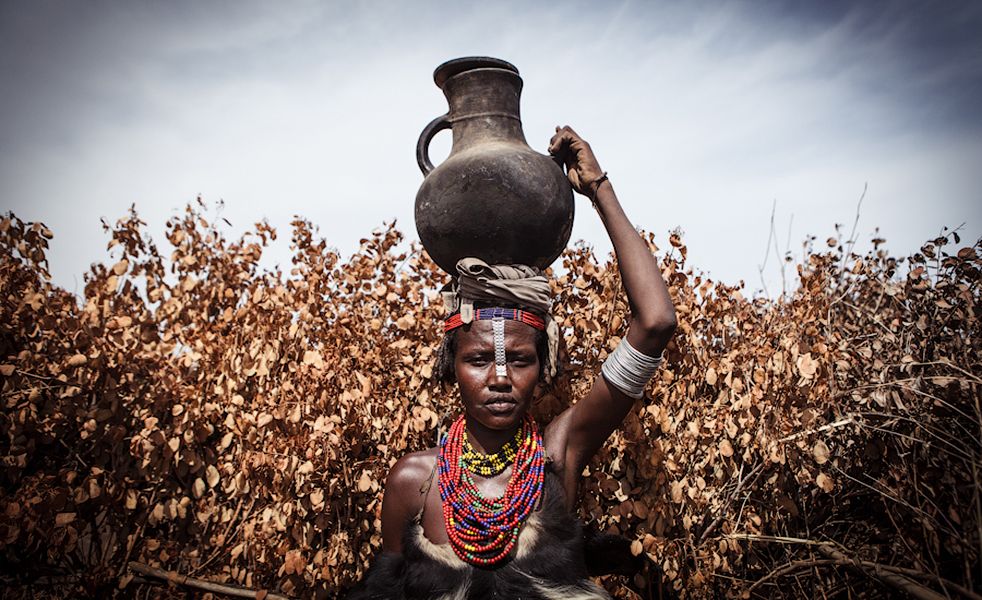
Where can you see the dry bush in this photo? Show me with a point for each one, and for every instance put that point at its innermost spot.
(197, 413)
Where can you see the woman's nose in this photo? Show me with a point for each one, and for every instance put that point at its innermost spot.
(499, 383)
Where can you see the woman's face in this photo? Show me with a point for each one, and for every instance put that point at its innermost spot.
(498, 403)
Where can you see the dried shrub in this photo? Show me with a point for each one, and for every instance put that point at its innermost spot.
(199, 414)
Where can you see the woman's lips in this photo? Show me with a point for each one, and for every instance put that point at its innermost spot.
(500, 406)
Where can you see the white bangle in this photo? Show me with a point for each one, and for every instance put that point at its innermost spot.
(629, 370)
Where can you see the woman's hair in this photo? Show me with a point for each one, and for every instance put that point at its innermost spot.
(444, 368)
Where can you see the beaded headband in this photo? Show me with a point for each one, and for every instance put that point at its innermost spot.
(487, 314)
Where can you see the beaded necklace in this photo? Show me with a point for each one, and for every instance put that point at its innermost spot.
(483, 531)
(490, 465)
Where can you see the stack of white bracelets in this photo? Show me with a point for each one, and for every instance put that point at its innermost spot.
(629, 370)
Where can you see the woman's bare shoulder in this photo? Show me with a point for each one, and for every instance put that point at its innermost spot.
(403, 498)
(411, 471)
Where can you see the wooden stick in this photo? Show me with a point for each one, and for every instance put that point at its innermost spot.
(792, 566)
(876, 571)
(925, 575)
(888, 574)
(200, 584)
(840, 423)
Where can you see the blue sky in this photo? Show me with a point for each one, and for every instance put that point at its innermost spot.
(704, 114)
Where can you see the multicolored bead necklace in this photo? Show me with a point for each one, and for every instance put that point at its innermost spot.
(483, 531)
(490, 465)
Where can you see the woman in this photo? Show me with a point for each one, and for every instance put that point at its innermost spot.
(490, 512)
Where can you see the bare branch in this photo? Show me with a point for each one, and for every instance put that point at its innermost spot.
(200, 584)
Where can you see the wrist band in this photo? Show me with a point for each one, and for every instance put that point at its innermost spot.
(596, 183)
(629, 370)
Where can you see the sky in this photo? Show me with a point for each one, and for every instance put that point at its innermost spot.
(707, 116)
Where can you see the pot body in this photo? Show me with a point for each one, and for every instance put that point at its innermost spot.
(494, 197)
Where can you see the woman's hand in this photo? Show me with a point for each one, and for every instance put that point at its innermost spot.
(573, 152)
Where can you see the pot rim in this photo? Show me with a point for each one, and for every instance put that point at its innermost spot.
(457, 66)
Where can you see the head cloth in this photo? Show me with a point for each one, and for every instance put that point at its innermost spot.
(519, 285)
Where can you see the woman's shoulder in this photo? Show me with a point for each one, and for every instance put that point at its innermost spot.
(403, 498)
(411, 472)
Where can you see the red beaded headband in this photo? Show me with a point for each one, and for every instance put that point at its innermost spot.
(485, 314)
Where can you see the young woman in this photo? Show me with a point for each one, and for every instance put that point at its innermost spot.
(490, 512)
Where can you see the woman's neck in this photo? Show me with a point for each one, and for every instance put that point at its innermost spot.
(488, 441)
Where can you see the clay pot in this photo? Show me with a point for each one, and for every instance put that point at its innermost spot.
(494, 197)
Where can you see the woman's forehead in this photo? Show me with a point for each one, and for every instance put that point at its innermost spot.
(481, 334)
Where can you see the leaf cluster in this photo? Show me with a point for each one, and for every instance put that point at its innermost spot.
(194, 412)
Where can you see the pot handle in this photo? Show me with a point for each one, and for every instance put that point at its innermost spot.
(423, 146)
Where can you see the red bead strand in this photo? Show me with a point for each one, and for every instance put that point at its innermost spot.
(483, 531)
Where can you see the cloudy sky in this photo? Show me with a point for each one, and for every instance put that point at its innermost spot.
(705, 114)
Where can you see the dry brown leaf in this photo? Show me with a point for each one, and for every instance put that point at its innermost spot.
(213, 476)
(313, 358)
(676, 492)
(725, 448)
(821, 452)
(365, 482)
(807, 366)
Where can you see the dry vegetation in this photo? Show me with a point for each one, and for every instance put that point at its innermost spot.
(195, 413)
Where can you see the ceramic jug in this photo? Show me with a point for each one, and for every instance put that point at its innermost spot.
(494, 197)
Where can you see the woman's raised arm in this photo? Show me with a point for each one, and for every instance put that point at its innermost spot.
(590, 421)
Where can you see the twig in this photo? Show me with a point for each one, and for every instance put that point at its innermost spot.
(978, 507)
(954, 450)
(888, 574)
(200, 584)
(50, 580)
(130, 544)
(787, 247)
(902, 383)
(912, 467)
(752, 537)
(923, 575)
(780, 263)
(747, 497)
(877, 571)
(851, 242)
(889, 514)
(770, 235)
(43, 377)
(62, 442)
(840, 423)
(224, 536)
(889, 496)
(719, 519)
(944, 363)
(791, 567)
